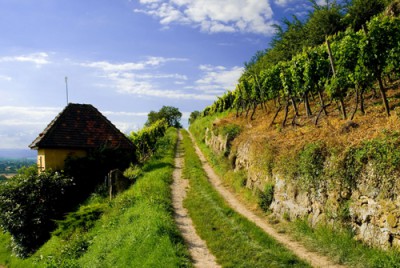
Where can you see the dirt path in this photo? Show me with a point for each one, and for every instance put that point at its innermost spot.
(197, 247)
(313, 258)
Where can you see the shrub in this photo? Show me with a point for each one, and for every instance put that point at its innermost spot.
(133, 172)
(311, 165)
(231, 131)
(266, 197)
(28, 204)
(382, 153)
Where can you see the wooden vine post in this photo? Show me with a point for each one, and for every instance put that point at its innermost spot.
(332, 61)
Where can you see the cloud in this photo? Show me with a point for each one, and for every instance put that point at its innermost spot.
(5, 78)
(129, 78)
(40, 58)
(19, 126)
(246, 16)
(218, 78)
(130, 66)
(128, 85)
(282, 3)
(16, 115)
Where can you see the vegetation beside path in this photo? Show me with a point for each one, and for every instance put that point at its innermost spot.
(136, 229)
(234, 240)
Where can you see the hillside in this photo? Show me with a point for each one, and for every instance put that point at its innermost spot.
(314, 131)
(331, 129)
(338, 172)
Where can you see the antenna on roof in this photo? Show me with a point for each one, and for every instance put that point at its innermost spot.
(66, 87)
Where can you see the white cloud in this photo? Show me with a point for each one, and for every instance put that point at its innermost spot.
(130, 66)
(218, 78)
(19, 126)
(282, 3)
(40, 58)
(128, 78)
(251, 16)
(128, 85)
(27, 114)
(5, 77)
(108, 113)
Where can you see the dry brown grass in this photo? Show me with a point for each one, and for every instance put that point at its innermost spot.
(329, 129)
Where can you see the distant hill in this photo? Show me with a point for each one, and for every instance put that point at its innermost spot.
(17, 153)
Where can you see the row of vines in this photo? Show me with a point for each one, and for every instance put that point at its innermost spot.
(146, 139)
(348, 63)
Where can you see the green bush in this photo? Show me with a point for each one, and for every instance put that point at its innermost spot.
(266, 197)
(384, 156)
(28, 205)
(311, 165)
(133, 172)
(231, 131)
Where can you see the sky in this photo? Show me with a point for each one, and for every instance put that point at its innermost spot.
(125, 57)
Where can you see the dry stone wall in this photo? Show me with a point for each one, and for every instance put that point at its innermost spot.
(373, 214)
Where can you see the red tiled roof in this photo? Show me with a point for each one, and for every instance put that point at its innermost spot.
(81, 126)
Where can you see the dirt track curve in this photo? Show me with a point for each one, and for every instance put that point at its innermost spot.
(199, 252)
(313, 258)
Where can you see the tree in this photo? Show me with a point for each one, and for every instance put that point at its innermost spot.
(193, 116)
(325, 20)
(171, 114)
(361, 11)
(288, 40)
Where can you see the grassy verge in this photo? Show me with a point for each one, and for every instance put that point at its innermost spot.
(136, 229)
(221, 164)
(235, 241)
(338, 243)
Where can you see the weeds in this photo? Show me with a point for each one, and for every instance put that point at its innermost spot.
(266, 197)
(339, 244)
(311, 165)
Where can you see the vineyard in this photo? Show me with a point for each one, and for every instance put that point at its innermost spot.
(146, 139)
(346, 66)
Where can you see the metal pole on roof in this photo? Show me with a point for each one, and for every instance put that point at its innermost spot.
(66, 87)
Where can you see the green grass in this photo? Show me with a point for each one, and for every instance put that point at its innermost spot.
(236, 180)
(235, 241)
(136, 229)
(339, 245)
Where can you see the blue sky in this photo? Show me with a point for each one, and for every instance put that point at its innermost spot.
(125, 57)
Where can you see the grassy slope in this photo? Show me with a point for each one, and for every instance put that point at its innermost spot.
(136, 229)
(337, 243)
(235, 241)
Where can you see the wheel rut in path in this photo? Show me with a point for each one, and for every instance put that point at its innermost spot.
(198, 250)
(315, 259)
